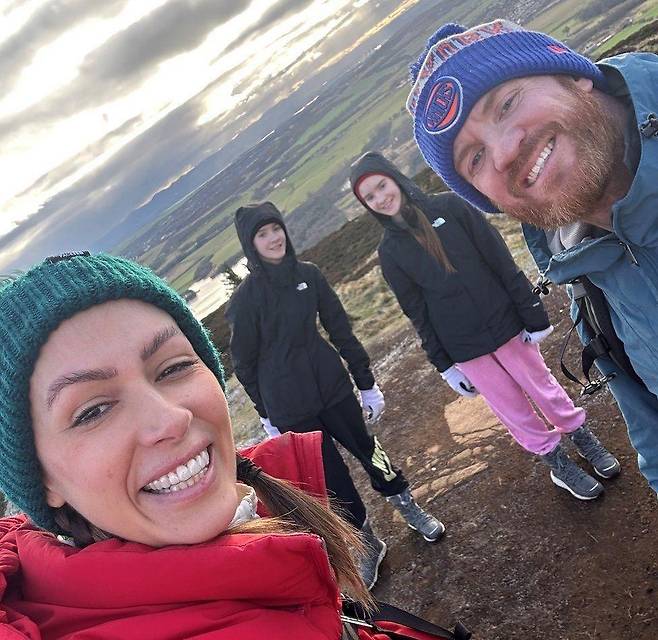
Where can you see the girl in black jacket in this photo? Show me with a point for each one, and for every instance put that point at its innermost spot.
(477, 317)
(297, 380)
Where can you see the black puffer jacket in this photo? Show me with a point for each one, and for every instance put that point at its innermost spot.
(462, 315)
(289, 371)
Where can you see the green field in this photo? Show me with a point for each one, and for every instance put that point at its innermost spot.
(303, 163)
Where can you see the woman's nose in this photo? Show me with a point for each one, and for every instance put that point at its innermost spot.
(161, 418)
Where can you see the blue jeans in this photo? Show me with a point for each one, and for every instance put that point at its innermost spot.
(639, 407)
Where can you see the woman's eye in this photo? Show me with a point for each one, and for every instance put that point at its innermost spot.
(178, 367)
(91, 414)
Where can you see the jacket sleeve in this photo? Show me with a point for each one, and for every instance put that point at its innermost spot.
(244, 346)
(412, 303)
(537, 244)
(496, 254)
(334, 319)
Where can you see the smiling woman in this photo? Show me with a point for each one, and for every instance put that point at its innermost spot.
(116, 436)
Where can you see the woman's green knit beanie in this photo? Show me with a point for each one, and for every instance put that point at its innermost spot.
(32, 306)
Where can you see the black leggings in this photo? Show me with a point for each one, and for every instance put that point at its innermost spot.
(344, 422)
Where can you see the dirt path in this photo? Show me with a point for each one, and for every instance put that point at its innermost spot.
(521, 558)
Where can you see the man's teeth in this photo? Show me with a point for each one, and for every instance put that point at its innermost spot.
(185, 475)
(539, 165)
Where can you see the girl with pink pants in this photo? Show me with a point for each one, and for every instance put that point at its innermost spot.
(477, 317)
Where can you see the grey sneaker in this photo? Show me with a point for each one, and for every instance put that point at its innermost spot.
(565, 473)
(417, 519)
(589, 447)
(375, 551)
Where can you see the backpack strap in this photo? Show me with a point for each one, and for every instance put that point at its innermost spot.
(589, 353)
(606, 341)
(594, 313)
(396, 623)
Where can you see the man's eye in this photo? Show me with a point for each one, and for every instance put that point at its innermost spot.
(505, 107)
(476, 159)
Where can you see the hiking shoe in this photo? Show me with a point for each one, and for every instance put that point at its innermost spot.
(417, 519)
(565, 473)
(375, 550)
(589, 447)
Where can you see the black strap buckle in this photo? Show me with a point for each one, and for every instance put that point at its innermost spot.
(596, 385)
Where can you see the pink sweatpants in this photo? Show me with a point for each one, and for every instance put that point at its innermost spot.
(511, 374)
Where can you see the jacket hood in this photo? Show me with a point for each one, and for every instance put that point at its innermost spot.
(248, 220)
(373, 162)
(634, 216)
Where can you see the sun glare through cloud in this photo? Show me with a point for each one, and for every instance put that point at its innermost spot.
(90, 89)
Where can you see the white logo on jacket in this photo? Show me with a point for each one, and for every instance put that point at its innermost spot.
(301, 286)
(438, 222)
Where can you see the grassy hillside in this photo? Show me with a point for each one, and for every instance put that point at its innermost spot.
(347, 254)
(303, 165)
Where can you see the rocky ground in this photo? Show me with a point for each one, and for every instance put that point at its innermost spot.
(521, 558)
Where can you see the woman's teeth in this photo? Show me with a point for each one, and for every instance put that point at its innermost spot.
(183, 476)
(539, 165)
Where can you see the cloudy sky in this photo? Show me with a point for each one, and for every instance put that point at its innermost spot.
(105, 102)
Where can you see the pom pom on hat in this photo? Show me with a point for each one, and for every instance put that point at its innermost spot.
(445, 31)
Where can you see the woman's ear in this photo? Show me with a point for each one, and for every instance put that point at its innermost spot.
(53, 498)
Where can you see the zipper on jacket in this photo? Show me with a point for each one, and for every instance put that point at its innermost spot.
(649, 126)
(631, 256)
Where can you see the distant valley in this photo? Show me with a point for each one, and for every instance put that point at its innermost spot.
(185, 233)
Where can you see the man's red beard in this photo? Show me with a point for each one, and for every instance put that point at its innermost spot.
(599, 143)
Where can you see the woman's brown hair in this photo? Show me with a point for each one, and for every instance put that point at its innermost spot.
(424, 233)
(291, 511)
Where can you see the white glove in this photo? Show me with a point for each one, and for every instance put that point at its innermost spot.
(372, 401)
(270, 429)
(535, 337)
(459, 382)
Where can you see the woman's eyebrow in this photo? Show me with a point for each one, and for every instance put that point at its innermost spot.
(86, 375)
(158, 340)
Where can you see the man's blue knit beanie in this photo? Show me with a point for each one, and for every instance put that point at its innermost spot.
(31, 307)
(459, 66)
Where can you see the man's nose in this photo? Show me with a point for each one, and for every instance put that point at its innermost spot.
(505, 148)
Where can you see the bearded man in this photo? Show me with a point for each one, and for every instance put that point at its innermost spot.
(515, 121)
